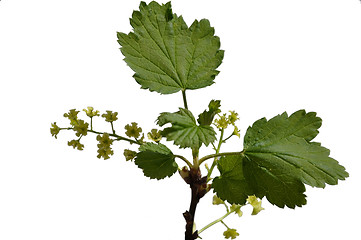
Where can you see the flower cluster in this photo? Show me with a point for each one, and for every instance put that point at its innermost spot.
(225, 120)
(222, 122)
(81, 128)
(104, 149)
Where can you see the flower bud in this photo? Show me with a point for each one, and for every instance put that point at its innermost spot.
(184, 172)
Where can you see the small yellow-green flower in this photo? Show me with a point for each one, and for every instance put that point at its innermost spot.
(81, 128)
(236, 131)
(54, 130)
(110, 116)
(155, 135)
(231, 233)
(222, 122)
(104, 153)
(90, 112)
(133, 130)
(105, 140)
(76, 144)
(129, 154)
(237, 209)
(256, 204)
(232, 117)
(72, 115)
(217, 201)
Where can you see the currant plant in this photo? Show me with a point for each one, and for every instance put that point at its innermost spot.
(278, 157)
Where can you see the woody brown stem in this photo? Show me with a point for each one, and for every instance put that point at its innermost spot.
(198, 185)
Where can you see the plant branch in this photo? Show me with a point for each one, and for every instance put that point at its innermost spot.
(218, 220)
(198, 185)
(117, 137)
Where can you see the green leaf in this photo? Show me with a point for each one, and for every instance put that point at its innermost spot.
(156, 160)
(241, 178)
(168, 56)
(206, 118)
(299, 124)
(184, 130)
(304, 124)
(281, 187)
(231, 185)
(283, 141)
(278, 159)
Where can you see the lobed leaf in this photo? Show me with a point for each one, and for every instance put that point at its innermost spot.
(168, 56)
(231, 185)
(156, 160)
(184, 130)
(206, 118)
(277, 160)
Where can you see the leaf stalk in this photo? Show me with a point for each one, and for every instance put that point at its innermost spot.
(184, 99)
(203, 159)
(185, 160)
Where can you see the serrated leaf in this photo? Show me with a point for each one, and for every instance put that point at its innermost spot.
(156, 160)
(231, 185)
(281, 187)
(300, 124)
(278, 159)
(283, 141)
(168, 56)
(304, 125)
(241, 178)
(206, 118)
(184, 130)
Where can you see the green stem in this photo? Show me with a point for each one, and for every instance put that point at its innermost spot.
(224, 224)
(111, 123)
(217, 151)
(220, 141)
(118, 138)
(228, 138)
(215, 221)
(185, 160)
(184, 99)
(211, 170)
(91, 123)
(195, 152)
(218, 155)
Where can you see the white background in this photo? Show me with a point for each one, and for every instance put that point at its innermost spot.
(280, 55)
